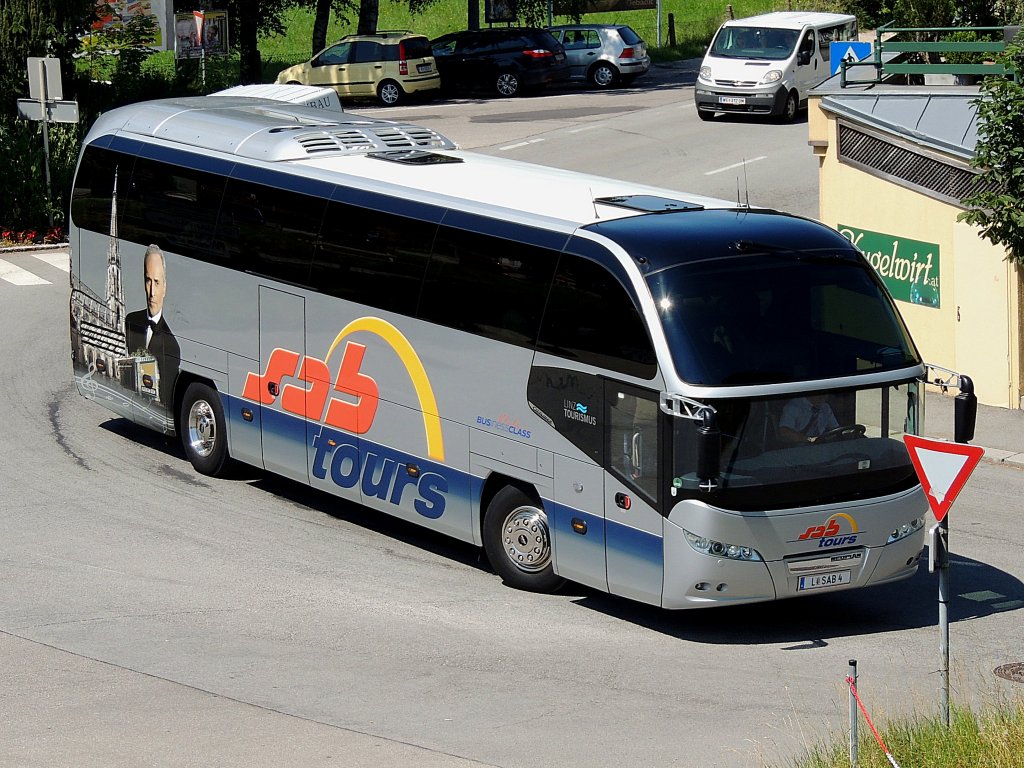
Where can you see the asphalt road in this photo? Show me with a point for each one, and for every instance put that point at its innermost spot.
(649, 133)
(152, 616)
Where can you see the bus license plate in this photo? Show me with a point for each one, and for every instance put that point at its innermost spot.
(732, 100)
(823, 580)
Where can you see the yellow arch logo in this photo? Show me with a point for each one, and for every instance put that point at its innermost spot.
(421, 384)
(847, 518)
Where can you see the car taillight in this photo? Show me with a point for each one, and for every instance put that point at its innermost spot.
(403, 65)
(627, 53)
(538, 53)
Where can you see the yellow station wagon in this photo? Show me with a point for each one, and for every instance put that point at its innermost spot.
(385, 65)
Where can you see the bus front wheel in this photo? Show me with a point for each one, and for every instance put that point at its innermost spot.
(518, 543)
(203, 433)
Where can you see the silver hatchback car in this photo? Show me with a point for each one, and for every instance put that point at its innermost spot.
(604, 54)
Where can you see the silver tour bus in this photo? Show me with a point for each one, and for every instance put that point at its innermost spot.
(676, 399)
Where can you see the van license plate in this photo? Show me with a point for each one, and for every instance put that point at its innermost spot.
(823, 580)
(731, 100)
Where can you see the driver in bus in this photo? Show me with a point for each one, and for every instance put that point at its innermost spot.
(805, 419)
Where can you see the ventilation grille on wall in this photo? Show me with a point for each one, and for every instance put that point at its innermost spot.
(921, 172)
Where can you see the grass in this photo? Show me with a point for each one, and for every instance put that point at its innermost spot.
(694, 22)
(993, 738)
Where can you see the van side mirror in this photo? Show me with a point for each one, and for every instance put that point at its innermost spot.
(803, 58)
(709, 452)
(965, 411)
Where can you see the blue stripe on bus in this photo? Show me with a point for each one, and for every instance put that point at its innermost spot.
(641, 547)
(378, 472)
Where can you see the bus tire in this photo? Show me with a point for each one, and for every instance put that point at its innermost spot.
(203, 432)
(518, 543)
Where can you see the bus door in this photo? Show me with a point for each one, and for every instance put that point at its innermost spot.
(633, 524)
(283, 329)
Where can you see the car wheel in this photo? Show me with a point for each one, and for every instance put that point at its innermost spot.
(518, 543)
(507, 84)
(203, 432)
(790, 107)
(603, 75)
(390, 93)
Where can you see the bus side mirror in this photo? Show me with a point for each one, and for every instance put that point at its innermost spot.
(709, 452)
(965, 411)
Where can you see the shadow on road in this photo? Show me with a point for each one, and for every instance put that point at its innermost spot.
(978, 589)
(809, 622)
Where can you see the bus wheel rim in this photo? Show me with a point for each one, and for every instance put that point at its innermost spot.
(525, 539)
(202, 428)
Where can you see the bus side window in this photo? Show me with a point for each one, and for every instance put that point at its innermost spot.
(175, 207)
(487, 285)
(270, 231)
(591, 319)
(633, 430)
(94, 187)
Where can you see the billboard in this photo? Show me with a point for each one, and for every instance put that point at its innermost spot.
(111, 14)
(200, 33)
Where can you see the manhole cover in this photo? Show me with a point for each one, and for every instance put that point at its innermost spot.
(1014, 672)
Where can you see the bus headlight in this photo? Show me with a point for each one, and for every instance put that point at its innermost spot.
(714, 548)
(772, 76)
(905, 530)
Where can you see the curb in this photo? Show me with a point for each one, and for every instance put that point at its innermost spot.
(32, 248)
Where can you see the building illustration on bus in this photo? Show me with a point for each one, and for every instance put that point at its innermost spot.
(675, 399)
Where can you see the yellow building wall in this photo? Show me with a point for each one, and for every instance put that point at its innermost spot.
(976, 329)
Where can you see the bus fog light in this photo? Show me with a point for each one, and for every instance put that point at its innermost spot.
(714, 548)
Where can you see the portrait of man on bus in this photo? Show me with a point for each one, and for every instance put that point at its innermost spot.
(146, 330)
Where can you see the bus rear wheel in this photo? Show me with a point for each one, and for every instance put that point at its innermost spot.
(518, 542)
(202, 429)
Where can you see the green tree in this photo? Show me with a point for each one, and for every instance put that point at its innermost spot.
(996, 204)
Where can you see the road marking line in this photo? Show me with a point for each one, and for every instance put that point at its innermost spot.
(12, 273)
(735, 165)
(584, 128)
(520, 144)
(60, 260)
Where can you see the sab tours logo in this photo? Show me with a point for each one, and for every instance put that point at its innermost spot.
(830, 534)
(335, 453)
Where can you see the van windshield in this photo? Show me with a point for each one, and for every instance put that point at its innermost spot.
(754, 43)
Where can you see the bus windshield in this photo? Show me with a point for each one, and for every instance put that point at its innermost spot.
(754, 43)
(767, 317)
(808, 448)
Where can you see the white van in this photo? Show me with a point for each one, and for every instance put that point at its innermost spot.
(766, 64)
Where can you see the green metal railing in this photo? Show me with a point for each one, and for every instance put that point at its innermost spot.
(898, 55)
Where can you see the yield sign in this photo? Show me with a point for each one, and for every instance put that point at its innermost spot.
(943, 469)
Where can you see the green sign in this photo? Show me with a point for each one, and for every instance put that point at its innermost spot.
(909, 268)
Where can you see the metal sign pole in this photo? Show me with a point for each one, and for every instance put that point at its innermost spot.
(943, 544)
(854, 738)
(46, 137)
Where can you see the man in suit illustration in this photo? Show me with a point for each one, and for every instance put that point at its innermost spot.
(146, 329)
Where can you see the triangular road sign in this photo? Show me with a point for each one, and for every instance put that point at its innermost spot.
(943, 469)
